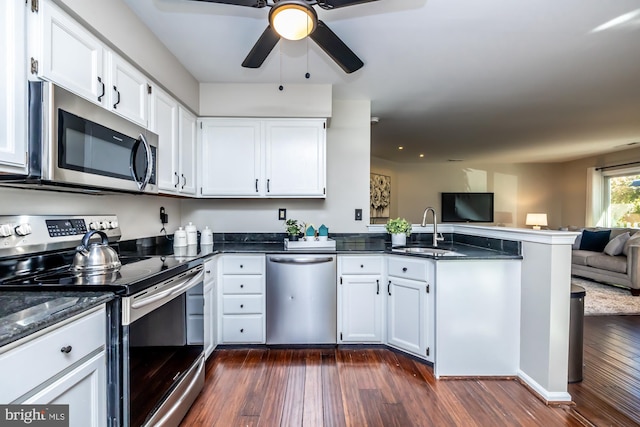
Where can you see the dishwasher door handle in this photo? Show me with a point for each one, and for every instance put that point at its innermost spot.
(301, 260)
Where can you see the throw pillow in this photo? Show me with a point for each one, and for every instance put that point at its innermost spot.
(634, 240)
(594, 240)
(615, 245)
(576, 243)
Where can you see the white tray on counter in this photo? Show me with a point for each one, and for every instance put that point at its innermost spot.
(310, 244)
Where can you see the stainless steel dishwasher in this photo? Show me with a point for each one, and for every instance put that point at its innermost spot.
(301, 299)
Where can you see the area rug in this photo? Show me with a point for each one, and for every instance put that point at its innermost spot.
(607, 300)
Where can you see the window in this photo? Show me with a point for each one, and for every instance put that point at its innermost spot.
(622, 198)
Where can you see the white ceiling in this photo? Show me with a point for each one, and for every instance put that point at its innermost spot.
(479, 80)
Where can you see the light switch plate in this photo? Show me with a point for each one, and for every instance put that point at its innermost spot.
(282, 214)
(358, 214)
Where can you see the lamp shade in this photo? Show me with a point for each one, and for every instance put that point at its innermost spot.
(536, 220)
(293, 19)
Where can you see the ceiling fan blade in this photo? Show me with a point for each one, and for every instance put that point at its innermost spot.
(334, 4)
(335, 48)
(262, 48)
(249, 3)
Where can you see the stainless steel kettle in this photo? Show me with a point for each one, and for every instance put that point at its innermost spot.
(95, 257)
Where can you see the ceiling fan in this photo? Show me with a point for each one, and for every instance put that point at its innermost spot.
(295, 20)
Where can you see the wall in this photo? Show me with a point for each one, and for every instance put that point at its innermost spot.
(518, 188)
(123, 31)
(572, 190)
(265, 100)
(138, 215)
(348, 151)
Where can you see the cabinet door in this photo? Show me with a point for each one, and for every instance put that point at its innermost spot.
(13, 88)
(187, 147)
(361, 309)
(84, 389)
(406, 311)
(71, 56)
(230, 160)
(163, 120)
(295, 158)
(128, 91)
(209, 321)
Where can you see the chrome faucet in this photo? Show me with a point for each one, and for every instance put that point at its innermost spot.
(435, 225)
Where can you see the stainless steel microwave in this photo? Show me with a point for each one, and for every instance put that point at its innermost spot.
(80, 145)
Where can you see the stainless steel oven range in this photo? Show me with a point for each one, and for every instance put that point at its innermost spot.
(155, 357)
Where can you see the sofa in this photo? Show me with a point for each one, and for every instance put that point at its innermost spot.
(608, 255)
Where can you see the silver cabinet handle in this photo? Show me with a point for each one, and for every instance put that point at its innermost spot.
(177, 179)
(115, 106)
(301, 260)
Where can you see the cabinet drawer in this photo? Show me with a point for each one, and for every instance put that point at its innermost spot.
(242, 284)
(361, 265)
(35, 361)
(243, 264)
(242, 329)
(242, 304)
(408, 268)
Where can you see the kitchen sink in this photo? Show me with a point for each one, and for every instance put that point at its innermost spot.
(426, 251)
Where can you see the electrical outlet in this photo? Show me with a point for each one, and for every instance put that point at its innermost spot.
(282, 214)
(358, 214)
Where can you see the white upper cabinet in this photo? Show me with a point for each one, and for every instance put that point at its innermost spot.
(295, 158)
(230, 160)
(13, 88)
(263, 158)
(163, 120)
(69, 55)
(128, 91)
(187, 151)
(72, 57)
(176, 129)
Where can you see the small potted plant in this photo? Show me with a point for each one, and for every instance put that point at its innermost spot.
(399, 229)
(294, 229)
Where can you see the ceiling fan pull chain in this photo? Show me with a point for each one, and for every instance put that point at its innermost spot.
(281, 87)
(307, 74)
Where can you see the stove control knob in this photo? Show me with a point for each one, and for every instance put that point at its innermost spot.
(93, 225)
(103, 225)
(23, 229)
(113, 224)
(6, 230)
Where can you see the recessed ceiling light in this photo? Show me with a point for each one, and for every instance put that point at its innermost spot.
(421, 155)
(401, 148)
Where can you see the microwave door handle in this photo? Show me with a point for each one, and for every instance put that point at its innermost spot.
(147, 149)
(141, 140)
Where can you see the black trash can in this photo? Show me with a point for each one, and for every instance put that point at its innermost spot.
(576, 330)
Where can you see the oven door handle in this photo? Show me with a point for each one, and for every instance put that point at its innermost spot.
(177, 288)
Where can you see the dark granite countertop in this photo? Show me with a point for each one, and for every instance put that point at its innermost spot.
(23, 313)
(470, 247)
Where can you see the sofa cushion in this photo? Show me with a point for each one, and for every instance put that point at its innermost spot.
(615, 245)
(579, 257)
(594, 240)
(633, 240)
(610, 263)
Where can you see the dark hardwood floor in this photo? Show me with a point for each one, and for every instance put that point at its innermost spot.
(609, 394)
(379, 387)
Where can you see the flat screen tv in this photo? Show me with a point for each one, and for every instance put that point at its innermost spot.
(467, 207)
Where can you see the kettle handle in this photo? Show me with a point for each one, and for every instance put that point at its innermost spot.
(89, 235)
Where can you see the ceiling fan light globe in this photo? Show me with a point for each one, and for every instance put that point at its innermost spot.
(293, 20)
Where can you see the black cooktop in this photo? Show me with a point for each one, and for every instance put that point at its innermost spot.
(136, 274)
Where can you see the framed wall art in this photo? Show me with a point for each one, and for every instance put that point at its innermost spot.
(379, 195)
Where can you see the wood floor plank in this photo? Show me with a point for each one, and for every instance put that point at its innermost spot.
(379, 387)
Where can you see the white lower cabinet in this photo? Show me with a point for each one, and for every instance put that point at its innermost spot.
(73, 372)
(210, 318)
(81, 390)
(410, 309)
(242, 299)
(360, 299)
